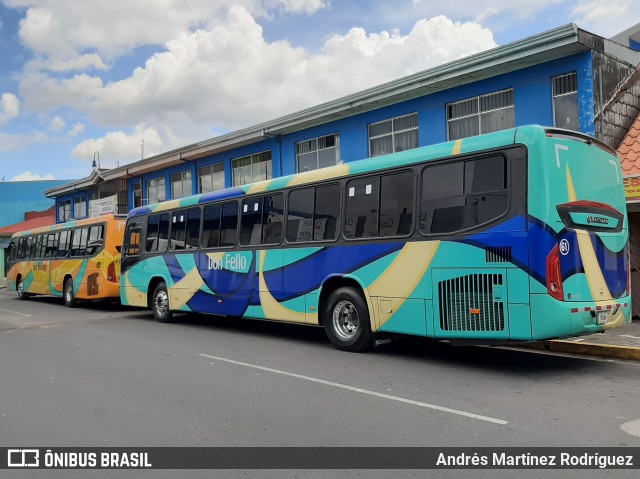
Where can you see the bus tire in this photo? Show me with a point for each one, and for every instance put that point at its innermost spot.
(69, 297)
(20, 289)
(160, 304)
(347, 321)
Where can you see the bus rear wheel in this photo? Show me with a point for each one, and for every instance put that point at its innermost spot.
(20, 288)
(69, 296)
(160, 304)
(347, 321)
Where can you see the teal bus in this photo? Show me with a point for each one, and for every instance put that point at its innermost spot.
(517, 235)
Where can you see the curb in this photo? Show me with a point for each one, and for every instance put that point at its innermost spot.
(588, 349)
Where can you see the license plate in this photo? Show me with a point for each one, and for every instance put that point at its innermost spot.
(601, 317)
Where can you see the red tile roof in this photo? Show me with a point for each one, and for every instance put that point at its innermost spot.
(48, 220)
(629, 150)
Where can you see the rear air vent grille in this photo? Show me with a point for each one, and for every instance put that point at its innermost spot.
(498, 254)
(467, 303)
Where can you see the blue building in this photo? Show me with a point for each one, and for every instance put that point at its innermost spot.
(565, 77)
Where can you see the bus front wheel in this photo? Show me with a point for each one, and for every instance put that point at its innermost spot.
(160, 304)
(347, 321)
(69, 296)
(20, 288)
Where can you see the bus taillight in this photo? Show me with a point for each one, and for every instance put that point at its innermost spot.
(111, 272)
(554, 275)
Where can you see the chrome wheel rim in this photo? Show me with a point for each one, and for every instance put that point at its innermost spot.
(345, 319)
(161, 303)
(20, 289)
(69, 292)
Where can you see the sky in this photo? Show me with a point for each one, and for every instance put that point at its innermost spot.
(115, 80)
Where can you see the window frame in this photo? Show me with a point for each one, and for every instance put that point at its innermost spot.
(251, 156)
(393, 133)
(181, 181)
(211, 175)
(479, 112)
(560, 95)
(317, 151)
(221, 204)
(156, 186)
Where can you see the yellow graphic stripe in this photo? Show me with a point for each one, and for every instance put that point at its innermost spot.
(133, 295)
(595, 278)
(405, 272)
(457, 147)
(259, 187)
(183, 290)
(272, 309)
(319, 175)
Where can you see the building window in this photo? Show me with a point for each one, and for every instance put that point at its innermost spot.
(481, 114)
(80, 207)
(211, 178)
(136, 188)
(394, 135)
(155, 191)
(64, 210)
(565, 101)
(250, 169)
(181, 184)
(318, 153)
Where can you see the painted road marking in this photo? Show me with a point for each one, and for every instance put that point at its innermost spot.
(632, 427)
(360, 390)
(15, 312)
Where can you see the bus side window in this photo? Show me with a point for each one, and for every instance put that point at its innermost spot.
(12, 252)
(251, 223)
(273, 212)
(63, 243)
(95, 239)
(192, 238)
(363, 204)
(38, 253)
(211, 226)
(229, 224)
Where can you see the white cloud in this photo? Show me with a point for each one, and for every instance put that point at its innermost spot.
(9, 107)
(76, 129)
(126, 147)
(61, 32)
(229, 76)
(605, 18)
(56, 124)
(28, 176)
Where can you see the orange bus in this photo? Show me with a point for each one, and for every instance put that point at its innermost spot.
(74, 260)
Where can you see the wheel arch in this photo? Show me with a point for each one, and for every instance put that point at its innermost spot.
(153, 284)
(333, 282)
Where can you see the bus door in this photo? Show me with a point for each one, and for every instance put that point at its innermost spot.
(133, 286)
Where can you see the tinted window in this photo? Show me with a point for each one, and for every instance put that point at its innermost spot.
(361, 217)
(157, 233)
(38, 252)
(273, 213)
(79, 242)
(178, 230)
(131, 243)
(229, 224)
(95, 240)
(30, 246)
(211, 226)
(313, 214)
(193, 228)
(397, 204)
(300, 215)
(20, 253)
(52, 245)
(475, 193)
(251, 223)
(63, 243)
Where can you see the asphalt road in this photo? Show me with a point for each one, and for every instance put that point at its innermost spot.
(103, 375)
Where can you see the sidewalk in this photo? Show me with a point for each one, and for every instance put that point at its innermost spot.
(618, 343)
